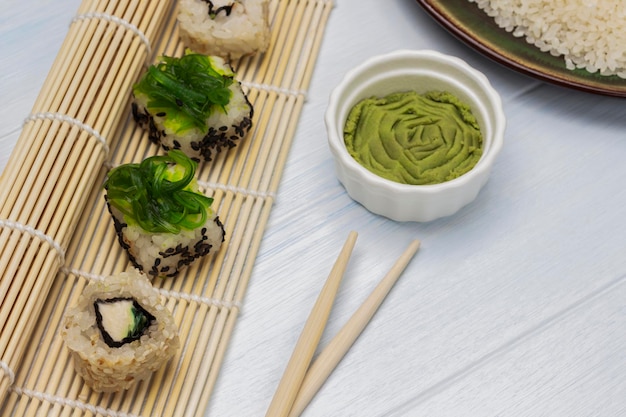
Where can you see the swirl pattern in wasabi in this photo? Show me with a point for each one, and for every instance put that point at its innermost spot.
(413, 138)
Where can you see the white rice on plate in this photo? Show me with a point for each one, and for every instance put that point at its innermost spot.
(588, 34)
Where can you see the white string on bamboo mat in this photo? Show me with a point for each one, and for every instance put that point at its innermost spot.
(72, 121)
(166, 293)
(223, 187)
(54, 399)
(231, 305)
(119, 21)
(8, 371)
(274, 89)
(10, 224)
(236, 190)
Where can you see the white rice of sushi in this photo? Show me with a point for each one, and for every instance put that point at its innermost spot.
(244, 30)
(166, 254)
(225, 126)
(111, 369)
(588, 34)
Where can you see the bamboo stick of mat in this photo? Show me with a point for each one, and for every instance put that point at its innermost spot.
(300, 77)
(332, 354)
(309, 338)
(59, 153)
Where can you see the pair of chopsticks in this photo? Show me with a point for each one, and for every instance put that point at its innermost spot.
(301, 379)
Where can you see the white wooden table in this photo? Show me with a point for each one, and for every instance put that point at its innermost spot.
(515, 306)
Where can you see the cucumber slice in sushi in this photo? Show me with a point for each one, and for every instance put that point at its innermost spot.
(111, 367)
(162, 221)
(192, 103)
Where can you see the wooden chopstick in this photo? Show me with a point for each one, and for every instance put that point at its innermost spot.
(300, 360)
(339, 345)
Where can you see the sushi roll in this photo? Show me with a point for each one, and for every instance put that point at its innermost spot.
(226, 28)
(119, 332)
(162, 221)
(192, 103)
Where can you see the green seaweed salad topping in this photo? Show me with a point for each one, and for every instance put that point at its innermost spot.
(159, 194)
(185, 91)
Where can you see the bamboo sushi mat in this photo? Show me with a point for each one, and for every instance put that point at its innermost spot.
(56, 233)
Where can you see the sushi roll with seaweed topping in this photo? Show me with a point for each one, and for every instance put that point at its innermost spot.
(226, 28)
(119, 332)
(192, 103)
(162, 220)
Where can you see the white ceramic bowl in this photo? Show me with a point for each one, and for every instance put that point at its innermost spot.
(420, 71)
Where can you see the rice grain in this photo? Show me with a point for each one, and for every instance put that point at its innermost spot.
(588, 34)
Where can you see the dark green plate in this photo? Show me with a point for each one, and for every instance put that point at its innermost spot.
(470, 24)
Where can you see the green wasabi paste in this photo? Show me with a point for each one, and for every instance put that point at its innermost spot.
(414, 138)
